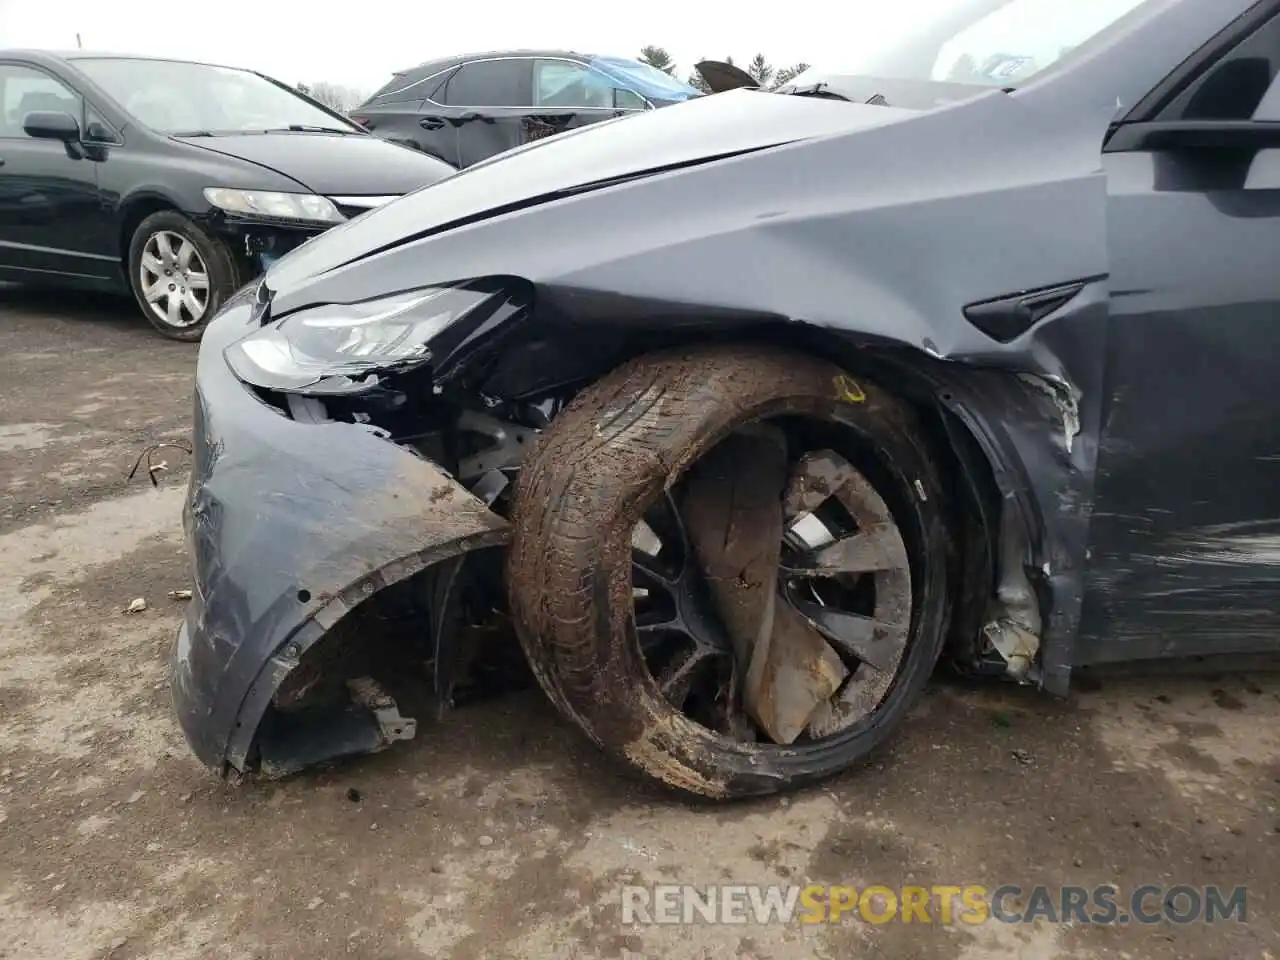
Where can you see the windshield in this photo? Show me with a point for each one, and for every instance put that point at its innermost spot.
(173, 96)
(998, 43)
(644, 79)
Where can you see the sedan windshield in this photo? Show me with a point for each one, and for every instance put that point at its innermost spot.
(998, 43)
(172, 96)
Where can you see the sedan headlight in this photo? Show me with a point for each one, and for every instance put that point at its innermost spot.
(332, 347)
(262, 203)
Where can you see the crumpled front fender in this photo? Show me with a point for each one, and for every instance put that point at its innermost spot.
(289, 526)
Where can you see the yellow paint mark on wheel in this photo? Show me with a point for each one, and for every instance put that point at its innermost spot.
(847, 389)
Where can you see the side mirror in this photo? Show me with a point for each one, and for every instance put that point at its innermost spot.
(51, 125)
(1196, 135)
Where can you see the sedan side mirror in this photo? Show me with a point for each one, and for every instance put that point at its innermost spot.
(51, 125)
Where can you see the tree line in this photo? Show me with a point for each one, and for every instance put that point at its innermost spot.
(340, 98)
(333, 95)
(759, 67)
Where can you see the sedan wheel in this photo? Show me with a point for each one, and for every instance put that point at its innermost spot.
(180, 275)
(174, 279)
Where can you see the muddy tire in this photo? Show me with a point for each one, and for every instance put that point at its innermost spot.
(179, 275)
(589, 480)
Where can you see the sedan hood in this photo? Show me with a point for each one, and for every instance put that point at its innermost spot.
(354, 165)
(692, 133)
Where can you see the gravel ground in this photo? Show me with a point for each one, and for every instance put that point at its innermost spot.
(499, 832)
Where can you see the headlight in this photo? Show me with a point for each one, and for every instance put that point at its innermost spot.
(342, 343)
(260, 203)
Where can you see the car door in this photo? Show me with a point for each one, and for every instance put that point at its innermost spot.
(570, 93)
(1185, 555)
(484, 102)
(398, 115)
(52, 220)
(398, 122)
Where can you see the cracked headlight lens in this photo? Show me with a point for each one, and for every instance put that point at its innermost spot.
(342, 343)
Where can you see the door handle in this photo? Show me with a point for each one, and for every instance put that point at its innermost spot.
(1, 161)
(431, 123)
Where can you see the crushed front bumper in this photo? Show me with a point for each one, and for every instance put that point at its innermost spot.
(256, 243)
(289, 526)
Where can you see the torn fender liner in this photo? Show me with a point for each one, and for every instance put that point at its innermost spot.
(289, 526)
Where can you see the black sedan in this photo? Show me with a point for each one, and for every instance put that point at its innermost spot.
(178, 181)
(467, 108)
(745, 413)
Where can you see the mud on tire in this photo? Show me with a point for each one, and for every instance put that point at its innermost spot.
(590, 478)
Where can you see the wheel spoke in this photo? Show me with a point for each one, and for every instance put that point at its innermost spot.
(676, 679)
(817, 478)
(173, 310)
(185, 249)
(151, 263)
(197, 281)
(193, 304)
(859, 697)
(667, 524)
(823, 474)
(875, 643)
(163, 247)
(650, 571)
(155, 292)
(646, 628)
(867, 551)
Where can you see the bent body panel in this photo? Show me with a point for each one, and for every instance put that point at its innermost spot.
(844, 223)
(289, 525)
(1186, 557)
(861, 234)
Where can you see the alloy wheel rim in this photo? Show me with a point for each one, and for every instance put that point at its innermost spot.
(843, 567)
(174, 279)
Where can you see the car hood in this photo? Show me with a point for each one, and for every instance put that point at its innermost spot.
(692, 133)
(720, 76)
(327, 164)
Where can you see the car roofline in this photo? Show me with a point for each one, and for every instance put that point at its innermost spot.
(71, 56)
(442, 63)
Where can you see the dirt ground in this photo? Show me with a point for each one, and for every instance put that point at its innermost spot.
(499, 832)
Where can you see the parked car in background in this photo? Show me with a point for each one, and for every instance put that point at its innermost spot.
(467, 108)
(177, 181)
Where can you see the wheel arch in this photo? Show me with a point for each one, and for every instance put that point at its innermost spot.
(976, 421)
(956, 403)
(133, 210)
(225, 271)
(955, 431)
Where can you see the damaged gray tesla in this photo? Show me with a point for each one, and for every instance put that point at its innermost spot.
(733, 419)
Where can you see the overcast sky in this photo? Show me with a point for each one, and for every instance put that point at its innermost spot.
(360, 43)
